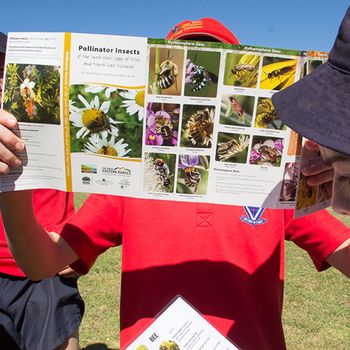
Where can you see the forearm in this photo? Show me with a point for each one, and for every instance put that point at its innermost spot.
(39, 254)
(340, 258)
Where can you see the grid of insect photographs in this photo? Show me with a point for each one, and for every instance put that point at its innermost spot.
(249, 131)
(242, 70)
(261, 141)
(32, 93)
(177, 74)
(171, 73)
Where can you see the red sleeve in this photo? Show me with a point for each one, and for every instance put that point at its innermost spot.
(319, 234)
(52, 207)
(96, 227)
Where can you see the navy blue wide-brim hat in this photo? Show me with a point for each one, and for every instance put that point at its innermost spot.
(318, 106)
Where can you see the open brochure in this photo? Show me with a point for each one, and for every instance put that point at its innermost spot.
(180, 326)
(150, 118)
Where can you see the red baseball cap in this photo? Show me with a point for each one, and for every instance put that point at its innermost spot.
(203, 29)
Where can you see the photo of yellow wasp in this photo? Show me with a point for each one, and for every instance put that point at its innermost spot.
(277, 73)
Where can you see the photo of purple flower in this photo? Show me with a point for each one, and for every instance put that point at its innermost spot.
(162, 124)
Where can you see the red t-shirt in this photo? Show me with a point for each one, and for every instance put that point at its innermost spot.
(51, 207)
(227, 267)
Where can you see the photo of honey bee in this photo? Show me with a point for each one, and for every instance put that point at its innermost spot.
(202, 70)
(197, 126)
(232, 148)
(165, 71)
(159, 172)
(237, 110)
(192, 176)
(241, 69)
(32, 93)
(277, 73)
(266, 115)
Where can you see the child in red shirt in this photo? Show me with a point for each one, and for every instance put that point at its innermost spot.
(227, 261)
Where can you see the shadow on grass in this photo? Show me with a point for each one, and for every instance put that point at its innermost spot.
(98, 346)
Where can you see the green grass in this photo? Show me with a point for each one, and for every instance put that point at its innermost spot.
(316, 306)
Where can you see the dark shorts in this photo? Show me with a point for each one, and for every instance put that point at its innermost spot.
(38, 315)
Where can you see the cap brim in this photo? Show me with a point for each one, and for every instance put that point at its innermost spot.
(318, 107)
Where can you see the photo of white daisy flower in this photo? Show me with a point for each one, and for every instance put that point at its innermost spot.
(101, 145)
(92, 113)
(92, 118)
(134, 103)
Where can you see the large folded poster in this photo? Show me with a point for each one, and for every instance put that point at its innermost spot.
(150, 118)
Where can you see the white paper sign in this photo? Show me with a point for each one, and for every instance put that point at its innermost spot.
(181, 327)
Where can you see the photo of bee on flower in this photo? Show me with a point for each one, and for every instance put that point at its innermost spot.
(241, 70)
(202, 71)
(236, 110)
(192, 175)
(289, 183)
(266, 115)
(277, 73)
(266, 151)
(159, 172)
(197, 126)
(232, 148)
(162, 124)
(106, 120)
(306, 194)
(165, 71)
(32, 93)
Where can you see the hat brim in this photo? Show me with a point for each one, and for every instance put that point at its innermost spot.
(318, 107)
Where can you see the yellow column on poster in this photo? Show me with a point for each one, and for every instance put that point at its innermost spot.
(65, 105)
